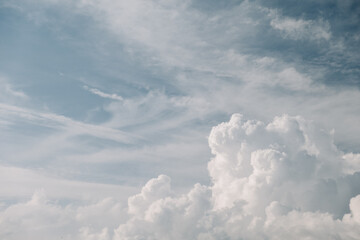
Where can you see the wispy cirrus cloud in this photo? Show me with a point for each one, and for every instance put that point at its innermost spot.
(300, 29)
(152, 78)
(59, 122)
(104, 95)
(8, 91)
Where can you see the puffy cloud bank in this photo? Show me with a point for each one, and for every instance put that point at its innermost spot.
(281, 180)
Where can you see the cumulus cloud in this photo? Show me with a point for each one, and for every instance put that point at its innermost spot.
(280, 180)
(352, 163)
(270, 181)
(42, 218)
(283, 161)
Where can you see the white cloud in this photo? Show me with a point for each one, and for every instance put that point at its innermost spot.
(41, 218)
(292, 79)
(300, 29)
(156, 111)
(104, 95)
(154, 189)
(351, 163)
(9, 93)
(199, 56)
(266, 183)
(268, 180)
(284, 179)
(166, 217)
(61, 122)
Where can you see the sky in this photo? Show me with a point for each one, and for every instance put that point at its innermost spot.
(169, 119)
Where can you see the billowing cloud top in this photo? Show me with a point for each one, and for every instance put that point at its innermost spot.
(281, 180)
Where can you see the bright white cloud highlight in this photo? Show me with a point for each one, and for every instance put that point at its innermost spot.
(270, 181)
(281, 180)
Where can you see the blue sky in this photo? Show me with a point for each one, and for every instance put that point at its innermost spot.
(98, 97)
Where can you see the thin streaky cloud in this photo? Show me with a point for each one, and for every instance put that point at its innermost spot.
(104, 95)
(141, 94)
(64, 123)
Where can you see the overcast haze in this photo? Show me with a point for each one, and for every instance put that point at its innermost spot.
(169, 119)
